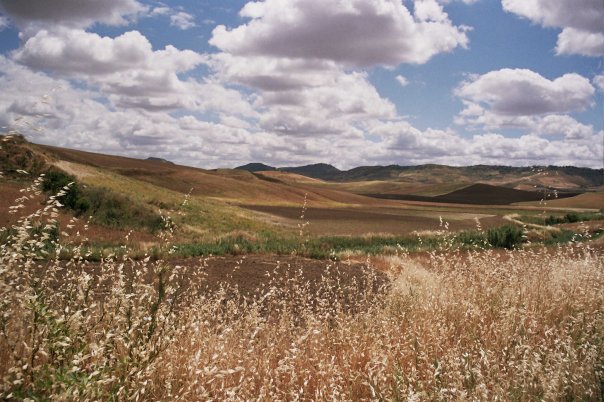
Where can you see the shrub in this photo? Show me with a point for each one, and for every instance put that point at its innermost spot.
(55, 181)
(507, 236)
(117, 211)
(106, 207)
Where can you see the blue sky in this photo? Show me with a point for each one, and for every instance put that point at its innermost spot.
(284, 82)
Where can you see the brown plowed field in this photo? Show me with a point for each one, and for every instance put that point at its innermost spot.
(361, 221)
(248, 276)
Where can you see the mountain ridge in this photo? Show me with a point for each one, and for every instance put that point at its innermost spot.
(537, 177)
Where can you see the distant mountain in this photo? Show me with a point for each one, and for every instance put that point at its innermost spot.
(255, 167)
(321, 171)
(160, 160)
(568, 178)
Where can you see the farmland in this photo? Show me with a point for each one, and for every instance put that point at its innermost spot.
(274, 285)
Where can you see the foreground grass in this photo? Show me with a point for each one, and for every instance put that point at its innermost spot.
(485, 325)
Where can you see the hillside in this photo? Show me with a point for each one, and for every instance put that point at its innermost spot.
(418, 179)
(210, 205)
(480, 194)
(237, 186)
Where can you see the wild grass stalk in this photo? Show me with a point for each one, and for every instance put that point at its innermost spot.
(486, 324)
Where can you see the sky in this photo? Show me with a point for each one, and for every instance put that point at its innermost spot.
(220, 83)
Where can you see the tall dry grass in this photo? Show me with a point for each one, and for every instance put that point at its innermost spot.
(488, 325)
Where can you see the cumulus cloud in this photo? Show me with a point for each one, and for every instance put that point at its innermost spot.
(353, 32)
(403, 142)
(75, 51)
(402, 80)
(599, 82)
(271, 96)
(79, 118)
(304, 97)
(182, 20)
(54, 112)
(160, 10)
(4, 22)
(521, 92)
(523, 99)
(463, 1)
(582, 22)
(73, 13)
(574, 41)
(128, 70)
(297, 56)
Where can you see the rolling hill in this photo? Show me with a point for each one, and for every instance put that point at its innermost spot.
(481, 194)
(562, 178)
(259, 202)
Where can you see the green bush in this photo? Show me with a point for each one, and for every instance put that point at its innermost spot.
(55, 181)
(106, 207)
(117, 211)
(507, 236)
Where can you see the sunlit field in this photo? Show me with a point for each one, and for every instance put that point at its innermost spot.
(486, 324)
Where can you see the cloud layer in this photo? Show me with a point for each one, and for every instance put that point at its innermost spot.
(292, 84)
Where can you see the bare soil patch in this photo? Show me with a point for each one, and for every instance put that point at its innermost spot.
(246, 275)
(360, 221)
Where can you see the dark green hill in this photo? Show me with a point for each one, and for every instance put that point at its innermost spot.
(159, 160)
(255, 167)
(321, 171)
(481, 194)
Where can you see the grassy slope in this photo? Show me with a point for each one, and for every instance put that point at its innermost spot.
(592, 200)
(234, 186)
(202, 218)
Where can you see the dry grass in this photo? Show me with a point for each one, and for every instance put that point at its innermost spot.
(523, 325)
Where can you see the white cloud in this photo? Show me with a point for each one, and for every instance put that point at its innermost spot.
(574, 41)
(161, 10)
(78, 52)
(304, 97)
(73, 13)
(562, 126)
(353, 32)
(129, 72)
(402, 80)
(283, 105)
(598, 81)
(296, 54)
(463, 1)
(79, 118)
(182, 20)
(402, 143)
(522, 99)
(581, 20)
(586, 15)
(521, 92)
(4, 23)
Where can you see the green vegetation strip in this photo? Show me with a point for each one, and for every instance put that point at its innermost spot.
(507, 236)
(572, 217)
